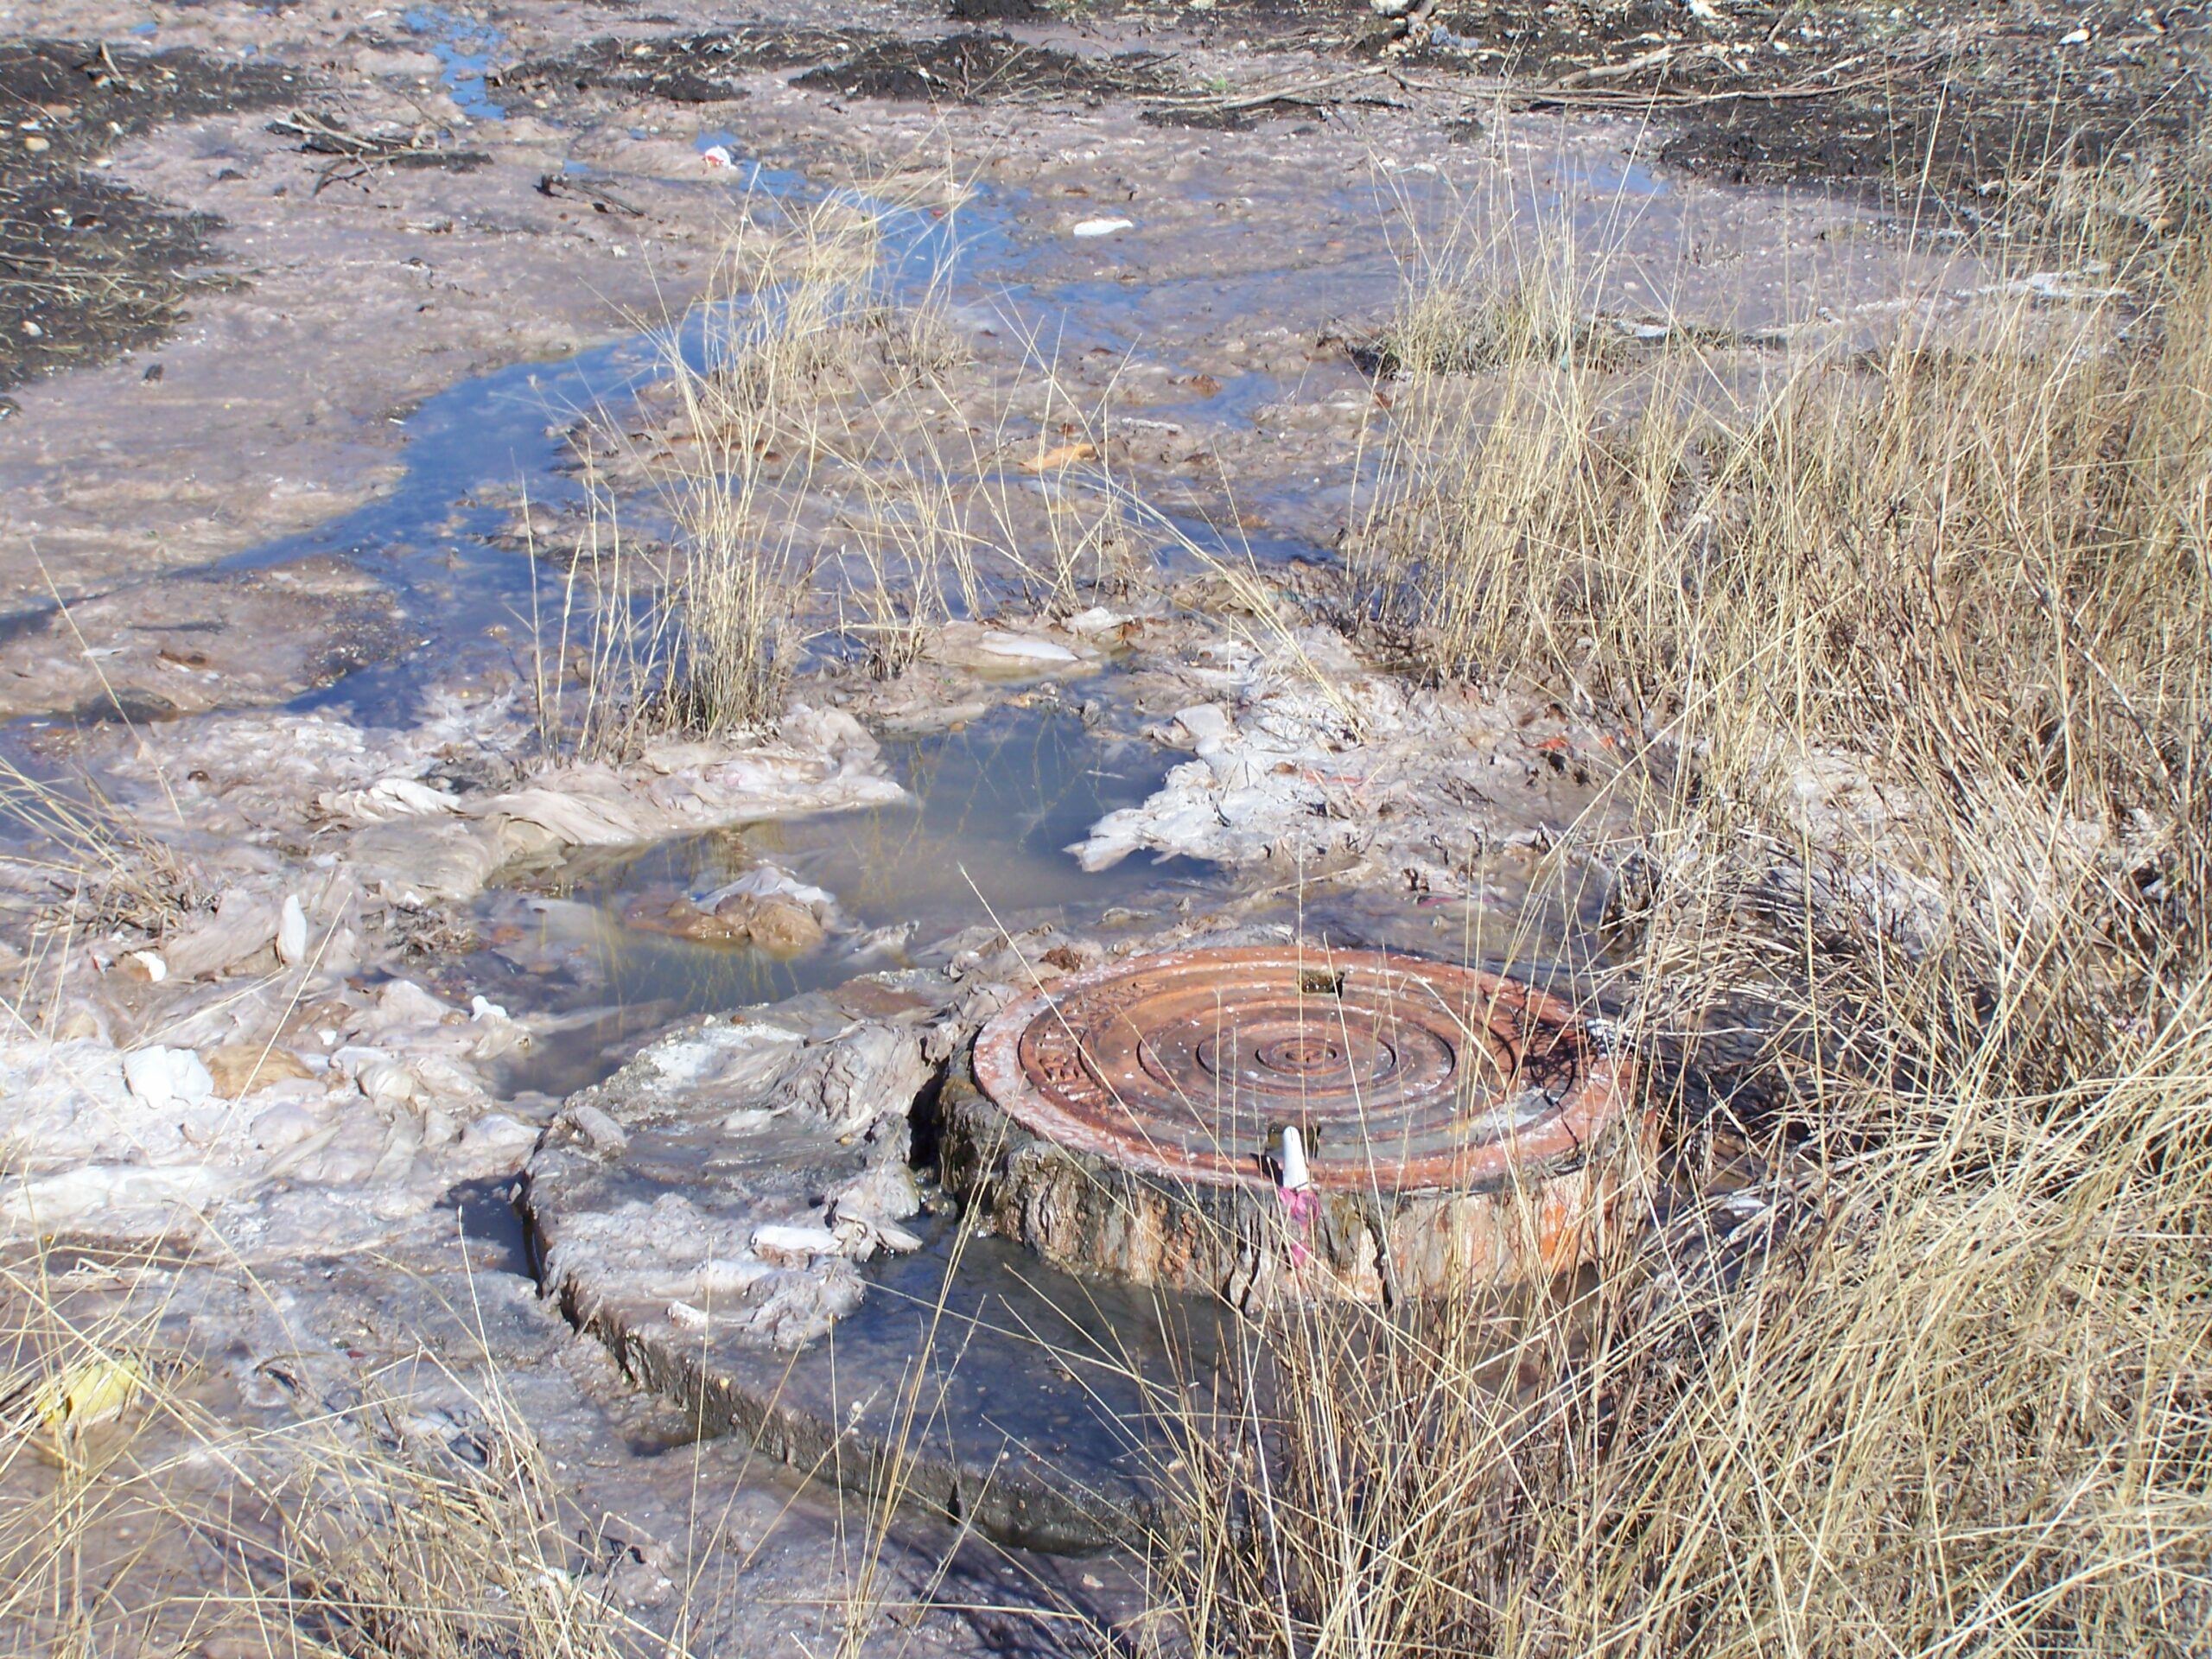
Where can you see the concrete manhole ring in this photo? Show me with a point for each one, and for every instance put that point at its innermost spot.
(1126, 1115)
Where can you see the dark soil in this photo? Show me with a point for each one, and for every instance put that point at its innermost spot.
(89, 269)
(1217, 118)
(701, 68)
(1971, 105)
(1987, 112)
(1951, 103)
(997, 11)
(977, 68)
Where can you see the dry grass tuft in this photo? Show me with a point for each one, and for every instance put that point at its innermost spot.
(138, 1511)
(1903, 1347)
(776, 387)
(822, 470)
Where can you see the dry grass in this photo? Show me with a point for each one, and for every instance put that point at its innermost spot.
(1905, 1347)
(699, 633)
(136, 1511)
(830, 476)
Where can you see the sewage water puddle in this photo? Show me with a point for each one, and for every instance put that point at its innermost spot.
(978, 843)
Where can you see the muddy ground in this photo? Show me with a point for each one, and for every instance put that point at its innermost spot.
(312, 318)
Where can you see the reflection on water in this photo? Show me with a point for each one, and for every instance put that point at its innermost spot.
(981, 841)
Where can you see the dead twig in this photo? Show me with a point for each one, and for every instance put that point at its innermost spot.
(1571, 93)
(601, 199)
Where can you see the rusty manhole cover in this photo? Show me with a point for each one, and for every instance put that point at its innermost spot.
(1403, 1076)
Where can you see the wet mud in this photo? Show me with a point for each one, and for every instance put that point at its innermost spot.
(705, 67)
(89, 267)
(196, 643)
(975, 68)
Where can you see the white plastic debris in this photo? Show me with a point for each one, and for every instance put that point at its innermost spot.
(766, 882)
(1206, 722)
(150, 964)
(242, 927)
(497, 1132)
(600, 1132)
(1026, 648)
(1296, 1177)
(387, 1082)
(1088, 228)
(794, 1245)
(163, 1076)
(387, 799)
(481, 1007)
(291, 932)
(717, 155)
(1097, 619)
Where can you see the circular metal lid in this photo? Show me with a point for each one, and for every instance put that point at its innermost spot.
(1401, 1074)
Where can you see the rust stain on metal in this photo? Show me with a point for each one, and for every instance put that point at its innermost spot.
(1402, 1075)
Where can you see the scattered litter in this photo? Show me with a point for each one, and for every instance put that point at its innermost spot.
(89, 1392)
(389, 797)
(1025, 648)
(1102, 226)
(1097, 619)
(789, 1246)
(1066, 454)
(291, 931)
(159, 1075)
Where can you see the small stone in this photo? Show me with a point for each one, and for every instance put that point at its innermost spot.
(36, 145)
(145, 966)
(600, 1130)
(784, 929)
(243, 1069)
